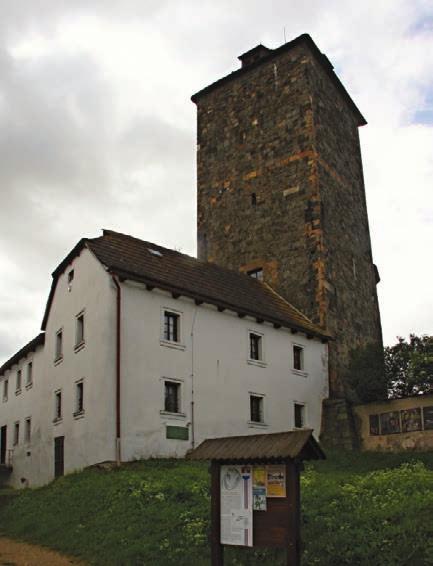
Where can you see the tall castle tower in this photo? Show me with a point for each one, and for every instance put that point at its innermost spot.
(281, 190)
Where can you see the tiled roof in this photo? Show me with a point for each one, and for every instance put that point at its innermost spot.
(131, 258)
(30, 347)
(273, 446)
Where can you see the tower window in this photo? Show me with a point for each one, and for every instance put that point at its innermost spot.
(253, 199)
(256, 273)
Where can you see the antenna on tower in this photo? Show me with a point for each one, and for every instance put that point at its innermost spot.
(284, 30)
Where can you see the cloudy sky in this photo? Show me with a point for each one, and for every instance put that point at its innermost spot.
(97, 130)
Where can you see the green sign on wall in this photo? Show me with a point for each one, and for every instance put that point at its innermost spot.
(177, 432)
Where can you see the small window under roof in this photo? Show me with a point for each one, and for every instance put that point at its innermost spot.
(155, 252)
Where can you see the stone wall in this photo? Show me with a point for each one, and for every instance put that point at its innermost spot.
(280, 186)
(395, 425)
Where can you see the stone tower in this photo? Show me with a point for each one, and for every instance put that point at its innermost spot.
(281, 190)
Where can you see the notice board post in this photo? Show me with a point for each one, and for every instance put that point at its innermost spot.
(255, 490)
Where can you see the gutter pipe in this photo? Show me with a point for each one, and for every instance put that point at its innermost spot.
(118, 351)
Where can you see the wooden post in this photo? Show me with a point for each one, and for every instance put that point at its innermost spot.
(217, 549)
(294, 513)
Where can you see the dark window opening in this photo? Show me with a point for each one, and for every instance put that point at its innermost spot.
(298, 358)
(256, 273)
(71, 276)
(79, 338)
(171, 326)
(299, 415)
(172, 397)
(59, 345)
(79, 398)
(58, 405)
(255, 346)
(254, 199)
(256, 409)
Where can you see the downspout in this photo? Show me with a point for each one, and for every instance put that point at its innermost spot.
(192, 380)
(118, 328)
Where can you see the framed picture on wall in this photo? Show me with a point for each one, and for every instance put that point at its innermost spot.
(411, 420)
(390, 422)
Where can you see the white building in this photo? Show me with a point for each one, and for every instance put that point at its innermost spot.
(145, 352)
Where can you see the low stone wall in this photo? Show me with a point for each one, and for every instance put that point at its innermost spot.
(396, 425)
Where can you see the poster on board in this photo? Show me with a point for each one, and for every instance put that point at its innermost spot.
(259, 488)
(276, 481)
(237, 505)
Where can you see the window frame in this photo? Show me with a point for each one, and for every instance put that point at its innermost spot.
(28, 430)
(58, 414)
(5, 389)
(58, 352)
(29, 375)
(303, 407)
(256, 273)
(80, 336)
(180, 400)
(261, 397)
(19, 381)
(16, 439)
(79, 401)
(261, 347)
(301, 348)
(164, 341)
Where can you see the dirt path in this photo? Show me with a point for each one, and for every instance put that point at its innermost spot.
(15, 553)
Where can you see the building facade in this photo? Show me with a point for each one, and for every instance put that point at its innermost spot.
(146, 352)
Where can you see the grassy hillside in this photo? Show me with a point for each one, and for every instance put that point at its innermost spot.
(357, 509)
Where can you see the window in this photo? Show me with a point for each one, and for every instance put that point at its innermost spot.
(16, 433)
(255, 346)
(28, 430)
(70, 276)
(299, 412)
(19, 380)
(5, 389)
(256, 409)
(256, 273)
(79, 398)
(79, 330)
(29, 380)
(171, 326)
(171, 397)
(298, 358)
(253, 199)
(59, 346)
(57, 405)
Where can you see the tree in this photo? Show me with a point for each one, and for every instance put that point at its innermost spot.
(366, 376)
(409, 366)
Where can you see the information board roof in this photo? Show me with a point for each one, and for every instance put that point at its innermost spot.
(299, 444)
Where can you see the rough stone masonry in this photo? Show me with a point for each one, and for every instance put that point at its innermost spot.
(280, 187)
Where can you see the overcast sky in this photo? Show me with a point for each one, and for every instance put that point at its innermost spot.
(97, 130)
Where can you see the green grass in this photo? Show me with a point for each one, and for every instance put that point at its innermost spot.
(372, 509)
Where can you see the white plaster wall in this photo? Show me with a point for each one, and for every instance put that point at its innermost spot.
(214, 360)
(90, 438)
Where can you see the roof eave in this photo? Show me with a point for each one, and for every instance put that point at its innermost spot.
(123, 274)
